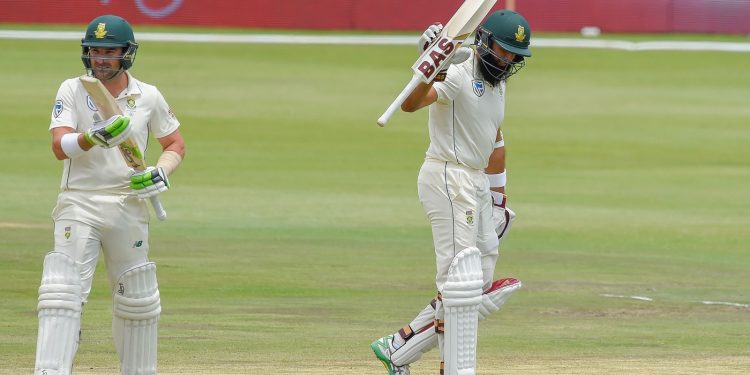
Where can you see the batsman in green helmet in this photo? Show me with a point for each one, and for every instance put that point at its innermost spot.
(113, 35)
(101, 204)
(502, 43)
(461, 187)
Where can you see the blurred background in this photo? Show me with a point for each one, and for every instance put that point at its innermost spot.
(611, 16)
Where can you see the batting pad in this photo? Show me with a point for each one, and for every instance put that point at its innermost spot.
(59, 311)
(136, 309)
(494, 298)
(420, 337)
(462, 295)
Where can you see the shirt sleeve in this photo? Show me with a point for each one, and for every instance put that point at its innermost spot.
(163, 121)
(448, 89)
(63, 111)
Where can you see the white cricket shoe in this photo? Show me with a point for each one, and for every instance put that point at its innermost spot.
(383, 347)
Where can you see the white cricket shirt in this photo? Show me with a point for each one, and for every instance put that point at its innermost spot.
(464, 121)
(101, 169)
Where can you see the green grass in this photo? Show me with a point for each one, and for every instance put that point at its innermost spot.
(296, 238)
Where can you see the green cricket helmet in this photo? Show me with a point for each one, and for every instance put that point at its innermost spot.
(110, 31)
(511, 32)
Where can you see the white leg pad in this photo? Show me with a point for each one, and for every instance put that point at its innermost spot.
(136, 310)
(420, 337)
(462, 294)
(59, 312)
(420, 334)
(494, 298)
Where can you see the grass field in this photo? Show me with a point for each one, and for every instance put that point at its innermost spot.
(296, 237)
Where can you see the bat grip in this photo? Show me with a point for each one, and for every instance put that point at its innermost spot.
(399, 100)
(161, 214)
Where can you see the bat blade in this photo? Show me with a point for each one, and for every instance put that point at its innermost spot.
(438, 54)
(107, 107)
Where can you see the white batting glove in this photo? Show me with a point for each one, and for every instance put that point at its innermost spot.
(110, 132)
(428, 36)
(461, 55)
(502, 215)
(149, 182)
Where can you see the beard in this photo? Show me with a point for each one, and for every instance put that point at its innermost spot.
(105, 72)
(490, 72)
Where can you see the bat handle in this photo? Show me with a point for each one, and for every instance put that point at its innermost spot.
(161, 214)
(399, 100)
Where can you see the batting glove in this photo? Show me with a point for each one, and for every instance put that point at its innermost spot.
(428, 36)
(149, 182)
(110, 132)
(502, 215)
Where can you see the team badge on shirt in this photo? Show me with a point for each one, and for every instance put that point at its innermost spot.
(131, 103)
(57, 110)
(90, 103)
(478, 87)
(67, 233)
(470, 217)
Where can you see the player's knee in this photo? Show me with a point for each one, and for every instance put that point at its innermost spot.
(464, 279)
(61, 283)
(136, 311)
(136, 294)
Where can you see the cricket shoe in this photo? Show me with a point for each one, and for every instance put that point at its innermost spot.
(383, 347)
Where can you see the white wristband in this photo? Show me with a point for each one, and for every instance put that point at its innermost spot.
(70, 146)
(500, 143)
(497, 180)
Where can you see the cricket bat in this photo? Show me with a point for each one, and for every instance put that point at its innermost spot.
(434, 58)
(108, 107)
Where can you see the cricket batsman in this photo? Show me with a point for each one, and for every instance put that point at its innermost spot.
(461, 186)
(101, 205)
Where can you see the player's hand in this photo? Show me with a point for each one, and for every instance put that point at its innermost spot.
(428, 36)
(426, 40)
(149, 182)
(461, 55)
(110, 132)
(502, 215)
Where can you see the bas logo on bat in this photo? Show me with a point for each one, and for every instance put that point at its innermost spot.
(436, 56)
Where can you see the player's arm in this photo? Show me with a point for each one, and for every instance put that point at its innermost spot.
(422, 96)
(173, 151)
(502, 215)
(73, 142)
(496, 167)
(66, 144)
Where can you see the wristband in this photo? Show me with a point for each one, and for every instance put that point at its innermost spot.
(169, 161)
(497, 180)
(70, 146)
(500, 143)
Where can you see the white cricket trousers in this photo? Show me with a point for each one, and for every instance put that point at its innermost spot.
(88, 221)
(458, 204)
